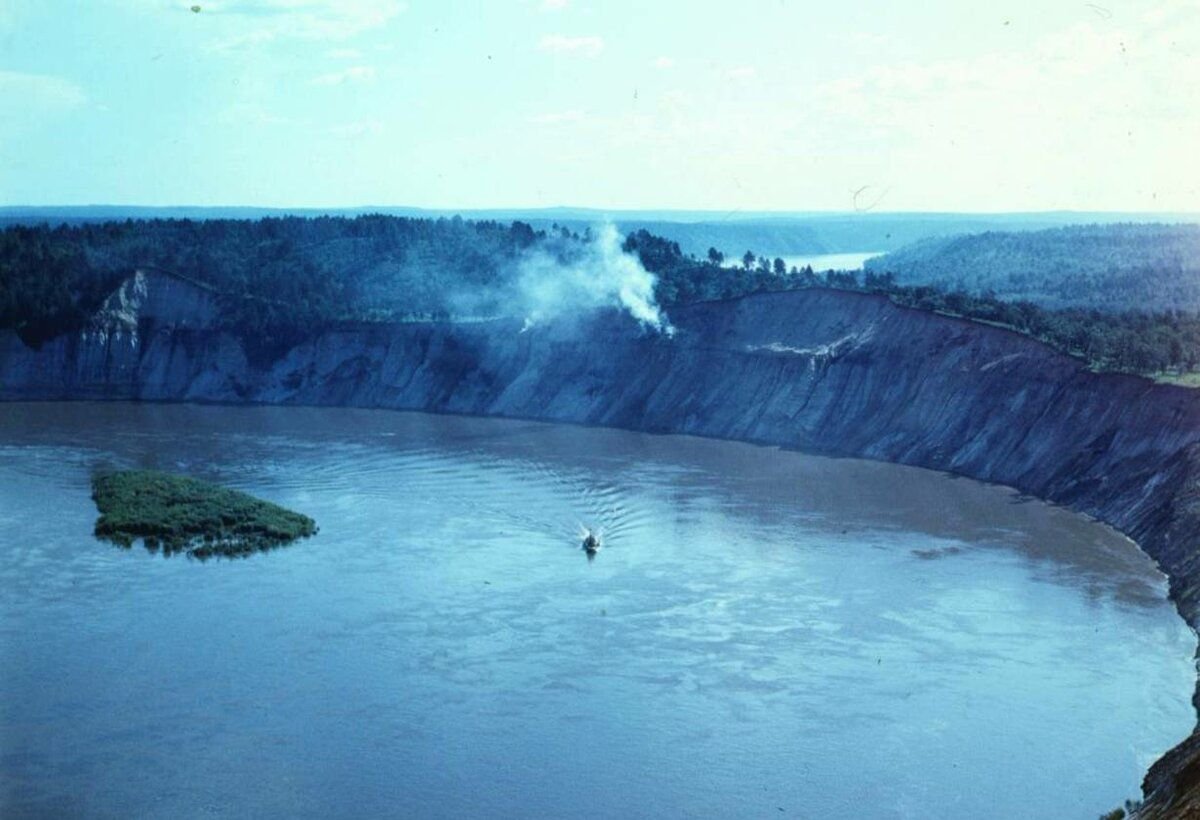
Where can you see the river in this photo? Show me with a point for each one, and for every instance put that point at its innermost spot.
(763, 634)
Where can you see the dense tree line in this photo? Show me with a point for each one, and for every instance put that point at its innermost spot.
(281, 279)
(280, 276)
(1110, 267)
(1135, 341)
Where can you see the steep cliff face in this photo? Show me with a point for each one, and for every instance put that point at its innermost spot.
(824, 371)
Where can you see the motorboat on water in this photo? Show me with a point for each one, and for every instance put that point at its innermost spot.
(591, 542)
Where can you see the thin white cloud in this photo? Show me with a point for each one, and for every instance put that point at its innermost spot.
(558, 117)
(249, 114)
(345, 54)
(363, 128)
(242, 23)
(743, 72)
(664, 62)
(353, 74)
(30, 101)
(586, 46)
(1089, 113)
(40, 91)
(554, 5)
(869, 40)
(1092, 69)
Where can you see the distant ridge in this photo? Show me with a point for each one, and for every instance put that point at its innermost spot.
(783, 233)
(107, 211)
(1150, 266)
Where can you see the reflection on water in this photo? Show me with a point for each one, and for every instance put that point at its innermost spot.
(761, 631)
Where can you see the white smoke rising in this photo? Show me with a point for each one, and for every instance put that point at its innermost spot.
(601, 275)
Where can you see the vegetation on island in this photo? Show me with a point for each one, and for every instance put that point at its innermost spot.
(180, 514)
(283, 279)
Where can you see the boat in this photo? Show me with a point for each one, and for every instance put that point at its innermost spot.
(591, 543)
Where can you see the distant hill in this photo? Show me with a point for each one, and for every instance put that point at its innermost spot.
(1112, 267)
(733, 233)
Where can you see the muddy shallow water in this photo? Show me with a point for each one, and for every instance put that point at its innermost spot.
(764, 633)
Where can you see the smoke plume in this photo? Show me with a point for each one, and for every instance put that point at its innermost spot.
(597, 274)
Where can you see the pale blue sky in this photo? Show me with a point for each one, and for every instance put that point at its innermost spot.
(757, 104)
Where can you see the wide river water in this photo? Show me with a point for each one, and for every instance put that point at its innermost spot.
(764, 633)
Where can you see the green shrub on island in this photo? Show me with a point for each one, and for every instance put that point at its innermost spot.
(180, 514)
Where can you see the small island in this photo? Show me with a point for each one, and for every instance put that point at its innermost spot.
(181, 514)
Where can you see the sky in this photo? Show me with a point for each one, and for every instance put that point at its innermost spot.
(939, 105)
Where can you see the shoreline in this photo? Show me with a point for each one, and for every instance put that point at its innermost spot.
(822, 372)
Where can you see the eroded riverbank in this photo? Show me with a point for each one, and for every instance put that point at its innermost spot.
(830, 372)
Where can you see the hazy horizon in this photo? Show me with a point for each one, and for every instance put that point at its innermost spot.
(598, 211)
(769, 107)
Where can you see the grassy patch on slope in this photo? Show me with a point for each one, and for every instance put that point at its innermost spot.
(181, 514)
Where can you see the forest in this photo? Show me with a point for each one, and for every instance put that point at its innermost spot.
(1110, 267)
(283, 278)
(1161, 343)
